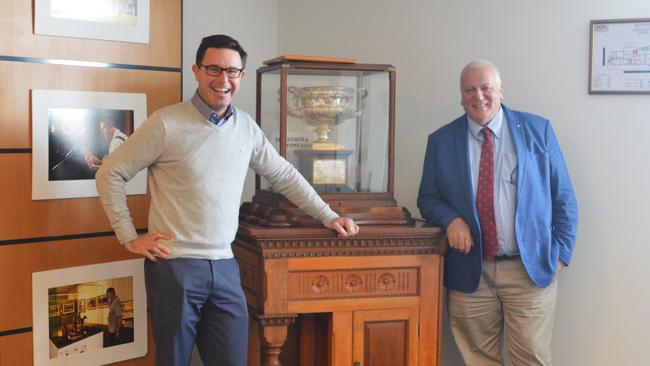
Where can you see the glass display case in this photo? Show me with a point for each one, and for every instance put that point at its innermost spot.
(333, 121)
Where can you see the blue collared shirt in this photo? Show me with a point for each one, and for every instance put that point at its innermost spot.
(505, 177)
(209, 113)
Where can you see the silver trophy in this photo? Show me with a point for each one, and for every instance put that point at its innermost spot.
(326, 106)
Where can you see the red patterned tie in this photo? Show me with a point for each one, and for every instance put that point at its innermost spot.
(485, 197)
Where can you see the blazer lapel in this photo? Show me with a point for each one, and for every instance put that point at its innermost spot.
(463, 162)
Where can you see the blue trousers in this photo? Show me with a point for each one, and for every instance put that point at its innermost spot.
(197, 301)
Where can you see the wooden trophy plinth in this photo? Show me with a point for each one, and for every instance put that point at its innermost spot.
(318, 299)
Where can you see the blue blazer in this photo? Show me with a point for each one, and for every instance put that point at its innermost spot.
(546, 213)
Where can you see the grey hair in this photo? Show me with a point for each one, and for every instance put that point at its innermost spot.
(478, 64)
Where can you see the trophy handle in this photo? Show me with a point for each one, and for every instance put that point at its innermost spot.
(295, 92)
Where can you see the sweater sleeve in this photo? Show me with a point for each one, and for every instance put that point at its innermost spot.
(139, 151)
(266, 161)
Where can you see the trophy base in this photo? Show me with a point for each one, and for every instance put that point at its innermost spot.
(327, 146)
(325, 170)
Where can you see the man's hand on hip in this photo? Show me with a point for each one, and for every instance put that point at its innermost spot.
(148, 245)
(459, 236)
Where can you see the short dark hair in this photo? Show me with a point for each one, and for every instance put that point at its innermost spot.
(111, 290)
(220, 41)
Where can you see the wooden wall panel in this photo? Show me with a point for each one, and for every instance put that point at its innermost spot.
(17, 262)
(18, 78)
(40, 235)
(18, 39)
(20, 217)
(17, 350)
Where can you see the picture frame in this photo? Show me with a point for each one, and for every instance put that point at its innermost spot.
(102, 301)
(91, 304)
(68, 308)
(60, 342)
(111, 20)
(619, 56)
(72, 132)
(82, 305)
(127, 310)
(53, 310)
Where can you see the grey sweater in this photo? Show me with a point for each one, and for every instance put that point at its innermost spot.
(196, 174)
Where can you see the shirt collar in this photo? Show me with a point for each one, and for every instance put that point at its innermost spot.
(495, 125)
(206, 110)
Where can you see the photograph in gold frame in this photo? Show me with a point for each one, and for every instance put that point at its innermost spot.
(68, 308)
(53, 310)
(102, 301)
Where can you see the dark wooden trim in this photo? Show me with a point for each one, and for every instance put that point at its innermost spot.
(15, 331)
(15, 151)
(62, 237)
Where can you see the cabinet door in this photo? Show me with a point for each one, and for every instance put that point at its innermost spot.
(385, 337)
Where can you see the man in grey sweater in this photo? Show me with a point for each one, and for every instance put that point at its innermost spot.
(197, 154)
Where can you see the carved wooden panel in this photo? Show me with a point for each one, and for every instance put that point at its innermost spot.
(353, 283)
(386, 337)
(351, 246)
(249, 274)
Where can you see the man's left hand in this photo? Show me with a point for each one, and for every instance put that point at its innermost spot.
(344, 226)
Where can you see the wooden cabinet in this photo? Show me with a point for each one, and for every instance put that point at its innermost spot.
(369, 300)
(316, 299)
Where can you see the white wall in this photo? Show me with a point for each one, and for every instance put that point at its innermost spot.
(542, 50)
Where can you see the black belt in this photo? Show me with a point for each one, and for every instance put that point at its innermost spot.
(506, 257)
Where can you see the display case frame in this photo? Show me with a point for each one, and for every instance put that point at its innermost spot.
(284, 68)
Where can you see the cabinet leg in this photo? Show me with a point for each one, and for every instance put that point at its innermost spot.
(273, 333)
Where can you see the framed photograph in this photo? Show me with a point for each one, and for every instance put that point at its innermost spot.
(68, 308)
(53, 310)
(91, 304)
(619, 59)
(72, 133)
(75, 338)
(127, 310)
(112, 20)
(102, 301)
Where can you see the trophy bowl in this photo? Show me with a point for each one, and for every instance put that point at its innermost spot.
(325, 106)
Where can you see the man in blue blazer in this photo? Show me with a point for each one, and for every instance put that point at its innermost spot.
(496, 180)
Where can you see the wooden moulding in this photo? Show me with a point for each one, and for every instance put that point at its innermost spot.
(273, 210)
(372, 241)
(304, 58)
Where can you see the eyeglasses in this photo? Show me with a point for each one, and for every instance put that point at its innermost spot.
(214, 70)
